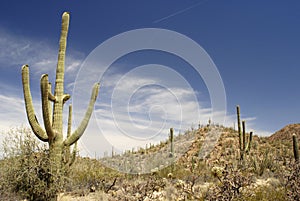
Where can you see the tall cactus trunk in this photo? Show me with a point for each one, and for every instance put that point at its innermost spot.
(56, 144)
(53, 121)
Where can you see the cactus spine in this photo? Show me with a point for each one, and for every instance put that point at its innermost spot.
(59, 149)
(172, 142)
(295, 148)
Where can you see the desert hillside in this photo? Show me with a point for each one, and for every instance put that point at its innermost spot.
(267, 171)
(285, 134)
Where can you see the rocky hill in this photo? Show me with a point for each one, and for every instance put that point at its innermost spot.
(285, 134)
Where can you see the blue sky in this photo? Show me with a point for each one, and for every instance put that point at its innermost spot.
(255, 46)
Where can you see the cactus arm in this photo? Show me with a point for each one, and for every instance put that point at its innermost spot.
(74, 153)
(45, 105)
(79, 131)
(66, 97)
(67, 148)
(50, 95)
(51, 98)
(69, 130)
(69, 121)
(36, 128)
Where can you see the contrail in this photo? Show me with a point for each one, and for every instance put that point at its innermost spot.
(180, 11)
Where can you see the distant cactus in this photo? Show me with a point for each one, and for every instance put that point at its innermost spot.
(295, 148)
(244, 146)
(59, 149)
(248, 147)
(239, 125)
(244, 135)
(172, 142)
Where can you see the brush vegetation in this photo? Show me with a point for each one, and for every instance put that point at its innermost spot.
(268, 171)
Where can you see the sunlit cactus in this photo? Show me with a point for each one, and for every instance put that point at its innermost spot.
(52, 107)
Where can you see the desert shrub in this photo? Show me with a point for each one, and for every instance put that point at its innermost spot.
(260, 162)
(293, 181)
(231, 183)
(25, 167)
(89, 175)
(265, 193)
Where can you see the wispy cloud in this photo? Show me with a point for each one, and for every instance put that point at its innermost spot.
(180, 11)
(137, 108)
(132, 110)
(41, 56)
(13, 113)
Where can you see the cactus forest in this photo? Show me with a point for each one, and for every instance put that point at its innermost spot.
(39, 163)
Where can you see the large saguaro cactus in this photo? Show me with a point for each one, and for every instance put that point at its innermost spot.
(53, 118)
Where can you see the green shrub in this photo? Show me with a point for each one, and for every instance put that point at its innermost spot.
(25, 167)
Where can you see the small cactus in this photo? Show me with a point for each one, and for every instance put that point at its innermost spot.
(249, 142)
(112, 152)
(172, 142)
(244, 135)
(239, 125)
(295, 148)
(209, 122)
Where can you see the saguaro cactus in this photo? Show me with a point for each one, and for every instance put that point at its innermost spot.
(172, 142)
(244, 146)
(248, 147)
(295, 148)
(239, 125)
(59, 149)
